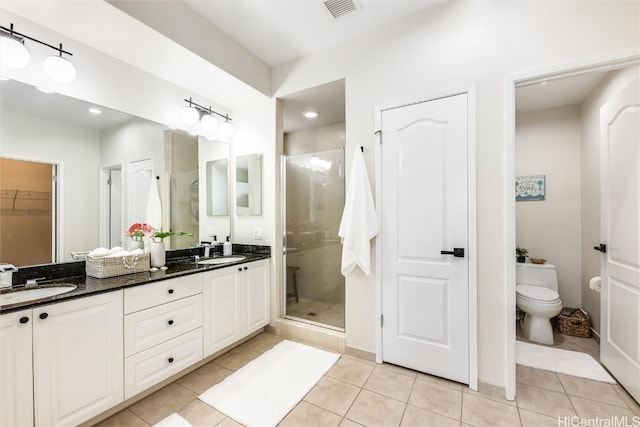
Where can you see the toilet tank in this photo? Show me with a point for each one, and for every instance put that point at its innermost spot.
(537, 275)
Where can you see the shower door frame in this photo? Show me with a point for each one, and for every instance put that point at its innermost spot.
(283, 216)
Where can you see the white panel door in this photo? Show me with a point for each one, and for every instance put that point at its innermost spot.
(620, 303)
(424, 211)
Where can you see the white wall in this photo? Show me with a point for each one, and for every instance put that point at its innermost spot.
(77, 152)
(548, 143)
(460, 44)
(591, 183)
(133, 141)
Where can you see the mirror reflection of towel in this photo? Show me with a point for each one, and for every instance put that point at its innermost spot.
(359, 221)
(154, 208)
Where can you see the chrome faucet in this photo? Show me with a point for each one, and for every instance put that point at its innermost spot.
(208, 246)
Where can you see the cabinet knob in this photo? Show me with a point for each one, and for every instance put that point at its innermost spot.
(170, 291)
(170, 322)
(170, 360)
(24, 319)
(43, 315)
(240, 269)
(246, 268)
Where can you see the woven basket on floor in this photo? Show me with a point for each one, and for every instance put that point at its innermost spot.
(118, 266)
(574, 322)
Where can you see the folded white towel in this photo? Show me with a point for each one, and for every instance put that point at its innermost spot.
(100, 252)
(359, 221)
(153, 215)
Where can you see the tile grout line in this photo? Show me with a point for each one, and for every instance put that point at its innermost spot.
(406, 405)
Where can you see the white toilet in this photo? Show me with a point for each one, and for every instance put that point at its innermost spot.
(537, 295)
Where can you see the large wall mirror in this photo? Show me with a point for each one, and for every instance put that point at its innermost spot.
(105, 164)
(249, 184)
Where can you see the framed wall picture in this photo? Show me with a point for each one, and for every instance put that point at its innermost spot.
(531, 187)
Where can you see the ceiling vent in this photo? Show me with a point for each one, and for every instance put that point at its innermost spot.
(340, 8)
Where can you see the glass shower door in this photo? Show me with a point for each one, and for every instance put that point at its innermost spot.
(313, 205)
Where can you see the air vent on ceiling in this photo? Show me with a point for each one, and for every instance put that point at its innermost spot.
(339, 8)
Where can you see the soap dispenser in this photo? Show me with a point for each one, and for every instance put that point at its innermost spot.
(226, 247)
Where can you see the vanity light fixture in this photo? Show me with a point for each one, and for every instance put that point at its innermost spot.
(310, 114)
(193, 112)
(16, 55)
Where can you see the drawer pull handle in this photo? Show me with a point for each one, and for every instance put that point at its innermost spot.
(43, 315)
(171, 360)
(170, 322)
(24, 319)
(170, 291)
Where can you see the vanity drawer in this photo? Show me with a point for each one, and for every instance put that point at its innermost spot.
(146, 328)
(151, 366)
(145, 296)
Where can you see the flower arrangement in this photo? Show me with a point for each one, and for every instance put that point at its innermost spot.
(138, 230)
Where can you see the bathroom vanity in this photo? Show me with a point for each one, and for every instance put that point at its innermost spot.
(71, 357)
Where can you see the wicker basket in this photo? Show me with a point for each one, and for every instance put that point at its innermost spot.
(117, 266)
(574, 322)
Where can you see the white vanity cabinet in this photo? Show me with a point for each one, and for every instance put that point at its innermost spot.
(16, 374)
(236, 303)
(77, 359)
(162, 331)
(61, 364)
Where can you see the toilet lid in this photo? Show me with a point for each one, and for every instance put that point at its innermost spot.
(538, 294)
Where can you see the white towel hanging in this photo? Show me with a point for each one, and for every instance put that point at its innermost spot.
(153, 215)
(359, 221)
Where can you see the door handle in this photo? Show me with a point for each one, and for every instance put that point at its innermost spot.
(457, 252)
(601, 248)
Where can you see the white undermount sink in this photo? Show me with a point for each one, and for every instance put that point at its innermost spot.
(25, 295)
(223, 260)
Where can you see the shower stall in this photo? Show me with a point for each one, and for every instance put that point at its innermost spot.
(313, 201)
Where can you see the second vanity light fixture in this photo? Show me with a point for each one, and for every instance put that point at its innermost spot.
(13, 53)
(192, 113)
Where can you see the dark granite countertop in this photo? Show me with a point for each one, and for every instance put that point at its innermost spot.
(86, 286)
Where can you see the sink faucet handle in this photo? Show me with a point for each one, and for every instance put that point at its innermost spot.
(34, 281)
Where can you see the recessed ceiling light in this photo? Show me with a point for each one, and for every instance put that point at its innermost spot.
(3, 78)
(310, 114)
(94, 110)
(544, 83)
(44, 90)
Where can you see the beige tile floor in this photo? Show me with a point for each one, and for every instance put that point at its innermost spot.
(355, 392)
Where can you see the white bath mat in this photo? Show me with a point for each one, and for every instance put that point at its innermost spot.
(173, 420)
(263, 391)
(563, 361)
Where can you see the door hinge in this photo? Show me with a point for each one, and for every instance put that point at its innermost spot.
(54, 178)
(108, 181)
(381, 320)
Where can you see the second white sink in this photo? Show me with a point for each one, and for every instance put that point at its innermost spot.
(25, 295)
(224, 260)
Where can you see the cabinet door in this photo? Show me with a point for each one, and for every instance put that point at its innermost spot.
(255, 313)
(222, 308)
(78, 359)
(16, 380)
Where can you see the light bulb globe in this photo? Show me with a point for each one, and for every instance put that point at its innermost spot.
(59, 69)
(225, 130)
(13, 53)
(209, 123)
(189, 115)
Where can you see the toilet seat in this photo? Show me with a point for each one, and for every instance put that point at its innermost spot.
(537, 294)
